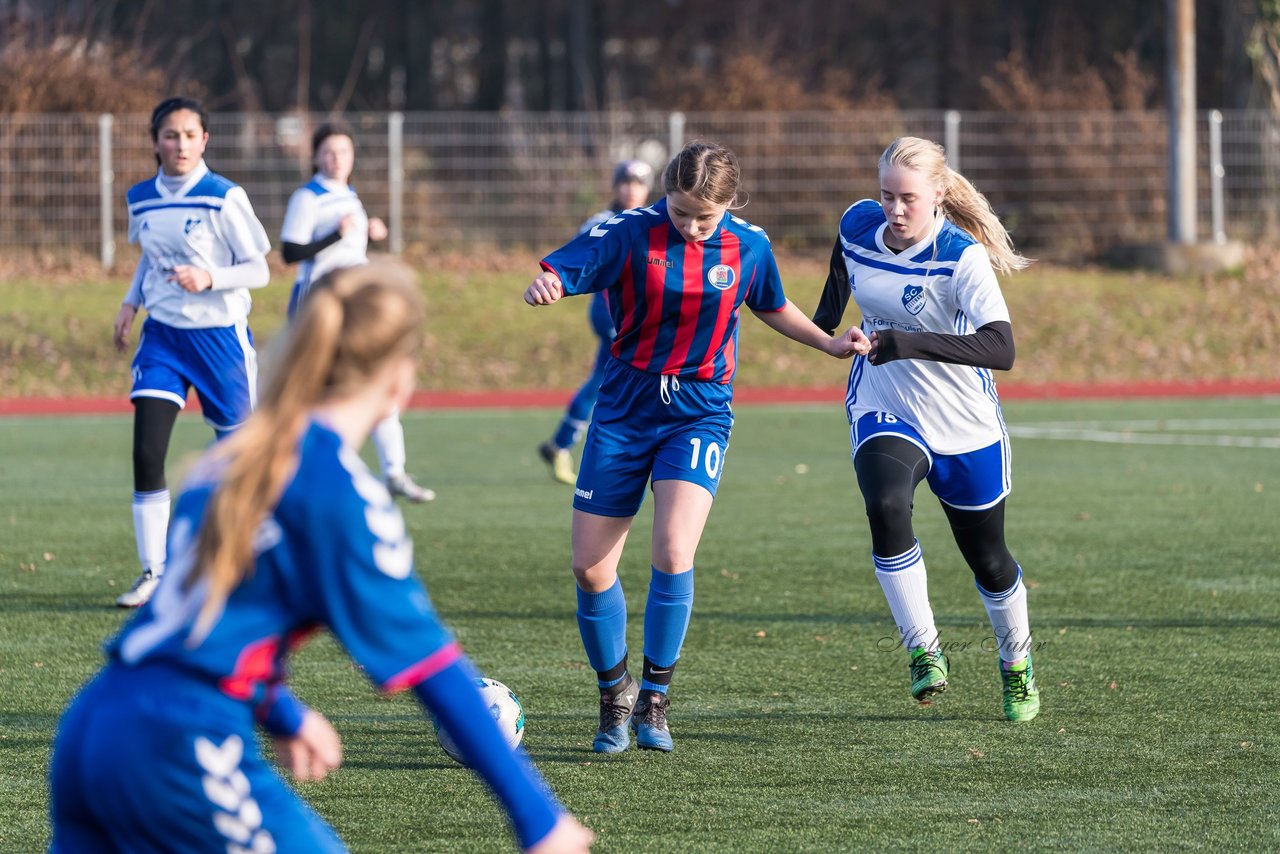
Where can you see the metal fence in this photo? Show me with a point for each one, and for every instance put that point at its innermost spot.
(1067, 184)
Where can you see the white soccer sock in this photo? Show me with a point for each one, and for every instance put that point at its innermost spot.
(151, 527)
(1009, 621)
(906, 587)
(388, 441)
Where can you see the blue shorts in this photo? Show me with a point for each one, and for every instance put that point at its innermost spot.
(220, 363)
(972, 481)
(149, 760)
(649, 427)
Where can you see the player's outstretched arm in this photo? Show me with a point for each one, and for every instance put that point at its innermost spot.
(544, 290)
(793, 323)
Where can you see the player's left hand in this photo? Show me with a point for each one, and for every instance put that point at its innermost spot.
(191, 279)
(314, 751)
(377, 229)
(852, 341)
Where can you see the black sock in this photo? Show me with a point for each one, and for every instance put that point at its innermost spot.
(655, 675)
(614, 675)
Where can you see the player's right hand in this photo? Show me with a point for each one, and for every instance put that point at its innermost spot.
(544, 290)
(314, 751)
(123, 326)
(568, 836)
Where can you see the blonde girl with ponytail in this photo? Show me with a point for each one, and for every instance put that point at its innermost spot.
(921, 263)
(281, 530)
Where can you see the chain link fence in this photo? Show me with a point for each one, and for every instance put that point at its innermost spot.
(1067, 184)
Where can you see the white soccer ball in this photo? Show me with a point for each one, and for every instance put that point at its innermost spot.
(505, 708)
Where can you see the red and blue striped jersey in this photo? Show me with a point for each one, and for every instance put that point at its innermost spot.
(674, 303)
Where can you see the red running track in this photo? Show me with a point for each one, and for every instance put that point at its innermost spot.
(832, 395)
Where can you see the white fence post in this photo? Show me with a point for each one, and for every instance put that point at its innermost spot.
(675, 134)
(106, 186)
(951, 139)
(395, 180)
(1216, 174)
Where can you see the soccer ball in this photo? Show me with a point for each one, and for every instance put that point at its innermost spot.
(505, 708)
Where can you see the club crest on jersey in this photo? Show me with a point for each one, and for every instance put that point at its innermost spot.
(721, 277)
(192, 223)
(913, 298)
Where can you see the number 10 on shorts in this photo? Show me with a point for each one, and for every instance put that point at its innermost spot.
(709, 462)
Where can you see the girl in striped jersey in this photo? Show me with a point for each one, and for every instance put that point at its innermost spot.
(203, 250)
(674, 276)
(280, 531)
(923, 405)
(326, 228)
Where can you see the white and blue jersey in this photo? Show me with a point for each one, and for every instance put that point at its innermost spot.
(159, 751)
(945, 284)
(345, 563)
(202, 339)
(315, 210)
(208, 223)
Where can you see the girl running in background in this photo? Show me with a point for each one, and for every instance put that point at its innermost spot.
(674, 275)
(281, 530)
(632, 181)
(202, 251)
(325, 228)
(923, 404)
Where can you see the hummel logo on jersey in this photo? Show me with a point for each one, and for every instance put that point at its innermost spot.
(721, 277)
(193, 222)
(659, 261)
(584, 493)
(913, 298)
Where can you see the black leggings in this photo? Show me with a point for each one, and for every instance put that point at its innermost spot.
(153, 421)
(889, 469)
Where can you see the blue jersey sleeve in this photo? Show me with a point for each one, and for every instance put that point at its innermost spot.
(368, 593)
(764, 292)
(594, 259)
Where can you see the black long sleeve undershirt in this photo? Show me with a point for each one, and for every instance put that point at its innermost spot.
(989, 346)
(295, 252)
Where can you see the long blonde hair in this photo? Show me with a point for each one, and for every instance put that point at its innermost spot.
(353, 323)
(961, 201)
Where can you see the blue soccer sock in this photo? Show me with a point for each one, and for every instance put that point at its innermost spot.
(568, 433)
(666, 619)
(602, 622)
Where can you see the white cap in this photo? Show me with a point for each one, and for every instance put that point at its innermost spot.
(633, 170)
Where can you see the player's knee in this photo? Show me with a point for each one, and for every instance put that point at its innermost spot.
(889, 509)
(148, 466)
(994, 572)
(595, 579)
(672, 559)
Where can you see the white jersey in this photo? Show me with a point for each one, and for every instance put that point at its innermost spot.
(208, 223)
(314, 211)
(947, 287)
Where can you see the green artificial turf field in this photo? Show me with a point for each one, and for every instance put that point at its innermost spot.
(1147, 532)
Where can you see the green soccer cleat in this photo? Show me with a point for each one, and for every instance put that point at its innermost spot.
(929, 672)
(1021, 696)
(560, 461)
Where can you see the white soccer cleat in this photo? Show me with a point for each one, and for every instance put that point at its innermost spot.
(402, 486)
(137, 595)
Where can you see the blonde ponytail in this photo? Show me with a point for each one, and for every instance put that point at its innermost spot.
(961, 202)
(352, 323)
